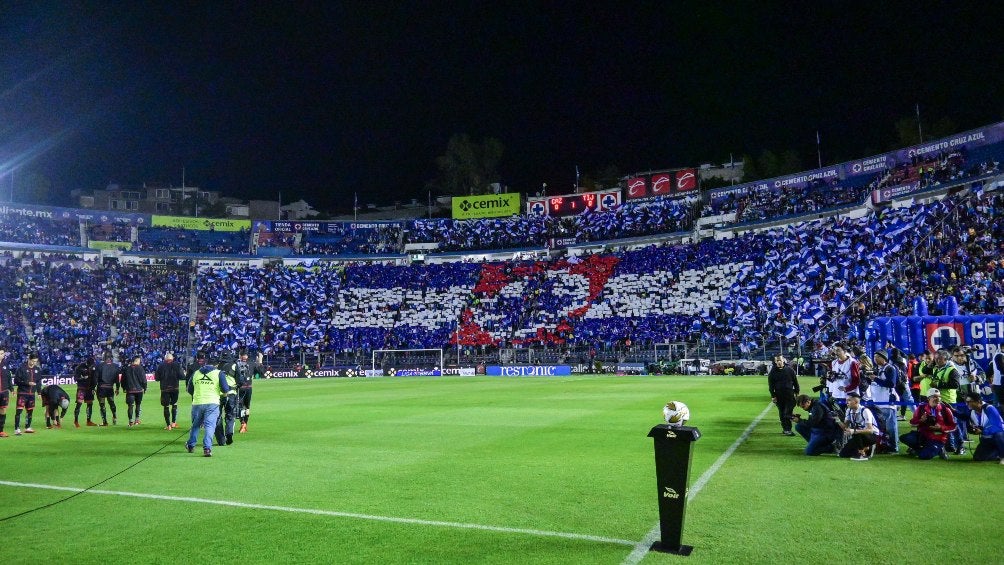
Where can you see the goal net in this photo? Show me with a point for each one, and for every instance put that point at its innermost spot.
(408, 361)
(517, 356)
(670, 351)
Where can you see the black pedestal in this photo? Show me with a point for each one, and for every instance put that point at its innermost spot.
(673, 446)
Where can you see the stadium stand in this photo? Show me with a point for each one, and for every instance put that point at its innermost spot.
(354, 239)
(177, 240)
(39, 231)
(765, 278)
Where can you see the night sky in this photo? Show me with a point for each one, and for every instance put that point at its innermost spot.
(320, 99)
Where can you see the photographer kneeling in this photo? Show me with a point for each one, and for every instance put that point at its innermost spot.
(934, 422)
(821, 429)
(985, 421)
(859, 429)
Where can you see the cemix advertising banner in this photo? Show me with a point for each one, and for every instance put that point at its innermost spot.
(95, 244)
(302, 372)
(205, 224)
(486, 206)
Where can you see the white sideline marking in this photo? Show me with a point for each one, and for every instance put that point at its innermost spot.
(642, 547)
(545, 533)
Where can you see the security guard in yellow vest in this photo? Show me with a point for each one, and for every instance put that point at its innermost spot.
(946, 380)
(206, 385)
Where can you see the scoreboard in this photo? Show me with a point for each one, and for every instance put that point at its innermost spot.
(571, 205)
(574, 204)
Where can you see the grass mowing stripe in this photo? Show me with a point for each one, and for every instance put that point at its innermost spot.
(99, 483)
(503, 529)
(642, 547)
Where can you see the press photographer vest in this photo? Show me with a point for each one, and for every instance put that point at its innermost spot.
(858, 420)
(941, 377)
(844, 368)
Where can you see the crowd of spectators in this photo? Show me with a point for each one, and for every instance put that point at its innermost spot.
(659, 216)
(818, 280)
(963, 258)
(207, 242)
(149, 309)
(787, 201)
(765, 202)
(823, 280)
(372, 240)
(71, 310)
(39, 231)
(109, 232)
(12, 328)
(484, 234)
(282, 309)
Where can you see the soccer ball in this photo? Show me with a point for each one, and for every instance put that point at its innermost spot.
(676, 413)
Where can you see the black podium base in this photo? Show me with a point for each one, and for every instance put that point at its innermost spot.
(683, 550)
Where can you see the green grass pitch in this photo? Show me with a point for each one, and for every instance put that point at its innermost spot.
(478, 470)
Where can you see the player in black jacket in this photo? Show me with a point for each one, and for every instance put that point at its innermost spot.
(108, 387)
(245, 372)
(169, 374)
(6, 385)
(27, 379)
(56, 402)
(86, 375)
(134, 383)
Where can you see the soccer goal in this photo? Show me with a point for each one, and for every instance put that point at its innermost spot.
(423, 359)
(667, 351)
(517, 356)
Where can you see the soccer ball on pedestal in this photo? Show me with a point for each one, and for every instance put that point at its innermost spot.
(676, 413)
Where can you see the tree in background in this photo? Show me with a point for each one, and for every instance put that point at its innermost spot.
(770, 164)
(468, 167)
(907, 132)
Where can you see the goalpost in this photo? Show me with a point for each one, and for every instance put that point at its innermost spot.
(407, 359)
(667, 351)
(518, 356)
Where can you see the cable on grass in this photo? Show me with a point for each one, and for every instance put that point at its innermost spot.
(95, 485)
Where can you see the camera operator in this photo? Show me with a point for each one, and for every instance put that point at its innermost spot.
(821, 360)
(946, 380)
(883, 394)
(845, 374)
(901, 361)
(985, 421)
(912, 363)
(971, 376)
(783, 385)
(821, 429)
(934, 423)
(971, 379)
(859, 429)
(922, 375)
(997, 380)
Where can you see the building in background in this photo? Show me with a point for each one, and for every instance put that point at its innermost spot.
(152, 198)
